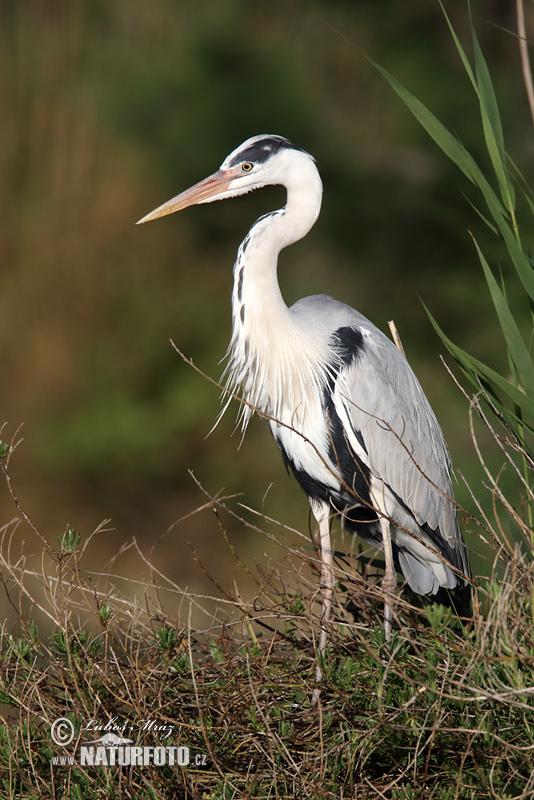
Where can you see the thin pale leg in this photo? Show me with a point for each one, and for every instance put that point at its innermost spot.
(389, 581)
(327, 583)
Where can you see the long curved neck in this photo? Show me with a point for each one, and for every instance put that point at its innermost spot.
(267, 348)
(256, 289)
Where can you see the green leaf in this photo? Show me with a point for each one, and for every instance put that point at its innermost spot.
(484, 219)
(514, 341)
(476, 371)
(461, 51)
(492, 127)
(489, 111)
(453, 148)
(522, 264)
(499, 391)
(450, 145)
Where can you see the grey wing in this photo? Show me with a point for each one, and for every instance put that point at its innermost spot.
(386, 412)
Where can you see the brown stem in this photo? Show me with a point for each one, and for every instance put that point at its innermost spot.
(525, 61)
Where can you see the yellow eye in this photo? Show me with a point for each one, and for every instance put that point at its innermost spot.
(247, 166)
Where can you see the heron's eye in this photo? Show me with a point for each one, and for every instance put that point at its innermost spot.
(247, 166)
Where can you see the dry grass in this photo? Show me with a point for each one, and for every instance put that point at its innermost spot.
(444, 711)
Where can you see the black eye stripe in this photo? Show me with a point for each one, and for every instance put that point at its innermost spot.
(262, 150)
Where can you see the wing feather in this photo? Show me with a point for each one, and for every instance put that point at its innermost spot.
(392, 430)
(379, 396)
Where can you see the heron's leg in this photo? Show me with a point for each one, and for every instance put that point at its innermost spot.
(389, 581)
(327, 582)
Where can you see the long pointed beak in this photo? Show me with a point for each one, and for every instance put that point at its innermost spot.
(205, 191)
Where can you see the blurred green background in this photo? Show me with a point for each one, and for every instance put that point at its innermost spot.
(109, 109)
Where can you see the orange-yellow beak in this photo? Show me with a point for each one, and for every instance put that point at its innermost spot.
(211, 188)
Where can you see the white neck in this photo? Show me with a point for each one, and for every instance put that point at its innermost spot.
(269, 353)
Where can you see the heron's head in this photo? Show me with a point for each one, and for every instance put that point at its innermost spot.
(260, 161)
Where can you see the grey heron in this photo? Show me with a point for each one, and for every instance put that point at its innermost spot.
(345, 408)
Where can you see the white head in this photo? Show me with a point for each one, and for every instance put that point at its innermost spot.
(260, 161)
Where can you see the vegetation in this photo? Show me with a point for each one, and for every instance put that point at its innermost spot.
(444, 711)
(503, 219)
(226, 676)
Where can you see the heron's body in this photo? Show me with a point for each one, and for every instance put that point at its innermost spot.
(344, 406)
